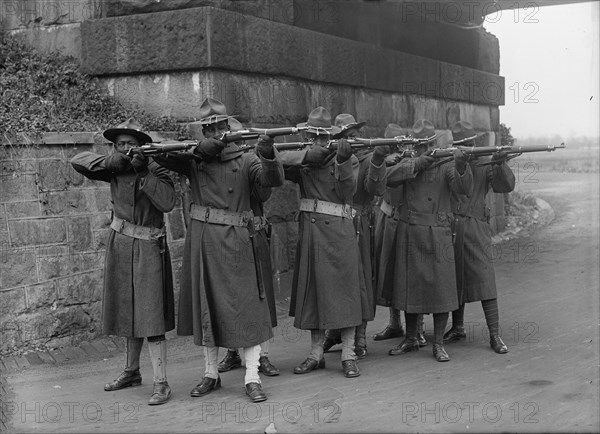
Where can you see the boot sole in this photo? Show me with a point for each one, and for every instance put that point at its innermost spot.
(133, 384)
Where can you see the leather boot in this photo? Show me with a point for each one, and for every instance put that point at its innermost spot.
(440, 353)
(161, 393)
(231, 361)
(388, 333)
(497, 345)
(125, 379)
(266, 368)
(350, 368)
(308, 365)
(255, 392)
(406, 346)
(205, 386)
(455, 334)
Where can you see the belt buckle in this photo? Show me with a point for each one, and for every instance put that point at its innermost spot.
(121, 226)
(206, 214)
(315, 204)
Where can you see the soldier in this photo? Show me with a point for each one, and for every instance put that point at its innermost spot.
(222, 300)
(422, 270)
(475, 277)
(232, 358)
(326, 283)
(371, 181)
(138, 284)
(385, 227)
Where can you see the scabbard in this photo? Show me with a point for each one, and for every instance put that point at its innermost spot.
(260, 280)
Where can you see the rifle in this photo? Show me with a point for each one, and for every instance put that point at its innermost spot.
(150, 149)
(487, 150)
(356, 143)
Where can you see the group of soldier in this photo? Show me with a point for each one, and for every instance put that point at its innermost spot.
(351, 253)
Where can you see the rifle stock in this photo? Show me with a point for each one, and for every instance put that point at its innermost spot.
(150, 149)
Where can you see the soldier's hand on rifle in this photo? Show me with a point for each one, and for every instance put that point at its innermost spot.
(380, 153)
(209, 148)
(499, 157)
(117, 162)
(423, 161)
(393, 159)
(460, 161)
(344, 150)
(316, 155)
(140, 164)
(264, 146)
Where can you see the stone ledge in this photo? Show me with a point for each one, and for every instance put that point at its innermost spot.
(201, 38)
(69, 138)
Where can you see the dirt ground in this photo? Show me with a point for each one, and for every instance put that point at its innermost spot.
(548, 283)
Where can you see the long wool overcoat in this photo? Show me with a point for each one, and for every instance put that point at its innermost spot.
(424, 278)
(473, 250)
(326, 285)
(138, 282)
(219, 299)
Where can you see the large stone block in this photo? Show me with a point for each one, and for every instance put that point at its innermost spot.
(18, 188)
(15, 210)
(12, 302)
(17, 14)
(37, 231)
(17, 266)
(54, 175)
(3, 224)
(206, 40)
(41, 295)
(64, 39)
(80, 233)
(176, 225)
(80, 288)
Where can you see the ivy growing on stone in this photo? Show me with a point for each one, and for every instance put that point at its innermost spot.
(47, 93)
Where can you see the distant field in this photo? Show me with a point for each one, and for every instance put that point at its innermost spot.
(562, 161)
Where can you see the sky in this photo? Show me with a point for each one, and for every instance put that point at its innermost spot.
(549, 59)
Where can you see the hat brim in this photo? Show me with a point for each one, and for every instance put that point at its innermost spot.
(467, 139)
(112, 134)
(215, 119)
(346, 128)
(333, 130)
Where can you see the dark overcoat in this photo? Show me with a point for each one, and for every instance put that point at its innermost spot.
(424, 278)
(219, 299)
(473, 250)
(326, 284)
(138, 281)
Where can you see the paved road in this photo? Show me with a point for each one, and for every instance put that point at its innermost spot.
(548, 296)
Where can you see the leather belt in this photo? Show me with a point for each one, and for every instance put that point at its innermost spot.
(135, 231)
(224, 217)
(328, 208)
(481, 212)
(422, 219)
(363, 210)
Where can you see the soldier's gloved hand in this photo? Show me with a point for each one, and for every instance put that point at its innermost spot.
(379, 154)
(423, 161)
(140, 164)
(316, 155)
(344, 150)
(264, 146)
(209, 148)
(117, 162)
(460, 161)
(499, 157)
(392, 159)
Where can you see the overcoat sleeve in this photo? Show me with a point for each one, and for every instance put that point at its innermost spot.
(159, 188)
(400, 172)
(461, 184)
(346, 177)
(91, 166)
(265, 172)
(180, 162)
(501, 178)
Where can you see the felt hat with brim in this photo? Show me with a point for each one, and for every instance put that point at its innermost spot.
(130, 127)
(213, 111)
(463, 131)
(319, 123)
(347, 122)
(424, 131)
(235, 125)
(393, 130)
